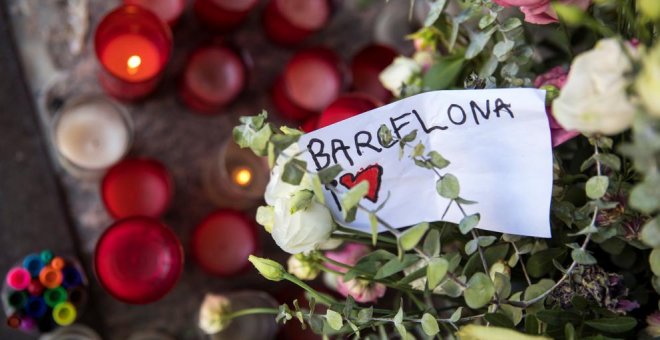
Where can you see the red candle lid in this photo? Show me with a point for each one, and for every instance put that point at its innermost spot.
(138, 260)
(214, 74)
(366, 68)
(310, 124)
(137, 186)
(345, 107)
(235, 5)
(223, 241)
(167, 10)
(306, 14)
(312, 79)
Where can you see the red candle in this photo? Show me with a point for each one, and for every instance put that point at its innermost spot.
(223, 241)
(311, 81)
(138, 260)
(346, 106)
(137, 187)
(213, 77)
(167, 10)
(289, 22)
(133, 47)
(366, 68)
(223, 15)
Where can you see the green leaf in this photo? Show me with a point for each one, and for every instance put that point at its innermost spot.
(471, 246)
(456, 315)
(502, 48)
(468, 223)
(613, 325)
(581, 256)
(645, 196)
(290, 132)
(597, 186)
(651, 233)
(351, 198)
(394, 266)
(301, 200)
(479, 291)
(317, 188)
(364, 315)
(437, 160)
(443, 74)
(334, 319)
(411, 237)
(502, 285)
(569, 331)
(294, 171)
(384, 135)
(373, 222)
(487, 19)
(430, 325)
(558, 317)
(499, 320)
(434, 13)
(328, 174)
(477, 42)
(540, 263)
(410, 137)
(570, 14)
(418, 150)
(609, 160)
(485, 241)
(431, 245)
(514, 313)
(436, 271)
(510, 24)
(398, 318)
(536, 290)
(654, 260)
(450, 288)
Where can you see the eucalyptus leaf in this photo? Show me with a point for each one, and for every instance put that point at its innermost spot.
(365, 315)
(430, 324)
(411, 237)
(443, 74)
(437, 160)
(431, 246)
(581, 256)
(394, 266)
(301, 200)
(294, 171)
(373, 222)
(510, 24)
(654, 260)
(651, 233)
(334, 319)
(317, 188)
(351, 198)
(436, 271)
(477, 42)
(328, 174)
(471, 246)
(468, 223)
(456, 315)
(502, 48)
(597, 186)
(618, 324)
(435, 10)
(479, 291)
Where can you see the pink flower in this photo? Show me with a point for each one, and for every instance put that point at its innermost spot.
(361, 290)
(349, 254)
(539, 11)
(555, 77)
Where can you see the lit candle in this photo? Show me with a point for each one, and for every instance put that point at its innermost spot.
(213, 77)
(289, 22)
(311, 80)
(223, 15)
(235, 177)
(366, 67)
(167, 10)
(133, 46)
(91, 134)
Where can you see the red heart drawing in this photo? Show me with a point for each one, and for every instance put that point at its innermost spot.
(372, 174)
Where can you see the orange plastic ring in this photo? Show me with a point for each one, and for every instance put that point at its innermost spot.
(57, 263)
(50, 277)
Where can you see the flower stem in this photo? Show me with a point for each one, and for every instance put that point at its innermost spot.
(251, 311)
(319, 297)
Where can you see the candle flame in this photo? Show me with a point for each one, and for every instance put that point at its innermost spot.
(133, 63)
(242, 176)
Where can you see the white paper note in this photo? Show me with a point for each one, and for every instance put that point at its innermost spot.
(498, 143)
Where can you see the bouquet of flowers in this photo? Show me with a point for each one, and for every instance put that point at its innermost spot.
(597, 277)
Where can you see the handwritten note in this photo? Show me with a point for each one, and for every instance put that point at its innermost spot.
(498, 143)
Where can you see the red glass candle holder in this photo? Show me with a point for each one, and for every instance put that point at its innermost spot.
(133, 47)
(346, 106)
(289, 22)
(366, 68)
(167, 10)
(223, 241)
(137, 186)
(138, 260)
(223, 15)
(311, 80)
(213, 77)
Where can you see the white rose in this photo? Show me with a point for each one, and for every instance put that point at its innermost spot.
(648, 82)
(303, 231)
(302, 266)
(594, 99)
(277, 188)
(399, 73)
(213, 313)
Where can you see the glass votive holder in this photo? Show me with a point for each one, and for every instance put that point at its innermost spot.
(311, 80)
(169, 11)
(90, 134)
(138, 260)
(366, 67)
(346, 106)
(235, 178)
(133, 46)
(44, 292)
(213, 77)
(137, 187)
(289, 22)
(222, 242)
(223, 15)
(73, 332)
(254, 326)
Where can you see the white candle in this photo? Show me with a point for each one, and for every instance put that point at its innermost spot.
(93, 133)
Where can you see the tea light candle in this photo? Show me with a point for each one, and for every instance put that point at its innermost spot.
(91, 134)
(222, 242)
(346, 106)
(138, 260)
(366, 67)
(213, 77)
(167, 10)
(234, 177)
(133, 47)
(138, 186)
(289, 22)
(311, 81)
(223, 15)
